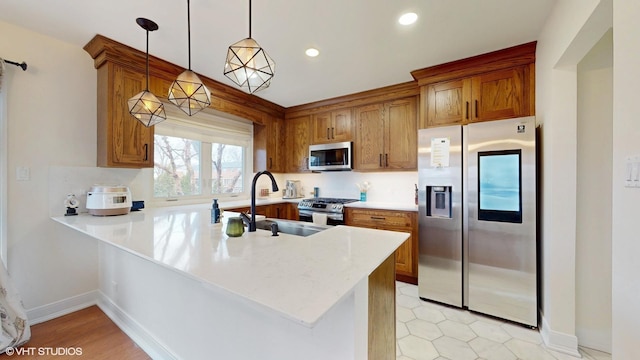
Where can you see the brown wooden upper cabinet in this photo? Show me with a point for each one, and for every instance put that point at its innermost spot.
(298, 139)
(386, 136)
(333, 126)
(493, 86)
(269, 145)
(122, 140)
(492, 96)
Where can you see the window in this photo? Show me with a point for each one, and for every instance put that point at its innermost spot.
(201, 157)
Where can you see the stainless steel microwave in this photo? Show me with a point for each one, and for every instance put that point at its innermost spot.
(330, 157)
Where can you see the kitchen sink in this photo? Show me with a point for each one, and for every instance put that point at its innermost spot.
(291, 227)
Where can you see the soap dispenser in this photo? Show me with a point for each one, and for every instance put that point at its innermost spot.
(215, 212)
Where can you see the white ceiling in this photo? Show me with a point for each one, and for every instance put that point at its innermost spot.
(361, 45)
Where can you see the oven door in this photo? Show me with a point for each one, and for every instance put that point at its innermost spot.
(332, 219)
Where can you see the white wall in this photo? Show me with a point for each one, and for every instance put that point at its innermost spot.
(593, 217)
(572, 28)
(51, 112)
(626, 201)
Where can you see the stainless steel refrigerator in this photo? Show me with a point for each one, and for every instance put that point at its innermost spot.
(477, 208)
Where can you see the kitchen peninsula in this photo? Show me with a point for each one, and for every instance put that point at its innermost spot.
(196, 292)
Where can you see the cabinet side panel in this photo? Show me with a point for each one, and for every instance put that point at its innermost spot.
(382, 315)
(104, 132)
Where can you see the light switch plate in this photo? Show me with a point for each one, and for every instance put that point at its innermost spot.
(636, 172)
(23, 173)
(632, 172)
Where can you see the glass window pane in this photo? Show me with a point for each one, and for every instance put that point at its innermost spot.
(177, 166)
(227, 162)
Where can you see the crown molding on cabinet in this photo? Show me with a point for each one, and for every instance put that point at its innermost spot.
(223, 97)
(510, 57)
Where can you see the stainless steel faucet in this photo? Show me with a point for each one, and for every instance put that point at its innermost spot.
(251, 222)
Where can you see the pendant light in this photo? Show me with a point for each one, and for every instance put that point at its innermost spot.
(248, 65)
(145, 106)
(187, 92)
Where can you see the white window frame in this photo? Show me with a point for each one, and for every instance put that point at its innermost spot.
(207, 126)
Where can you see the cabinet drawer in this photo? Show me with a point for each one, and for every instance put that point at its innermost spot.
(384, 219)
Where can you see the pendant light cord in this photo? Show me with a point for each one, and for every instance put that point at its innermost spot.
(189, 30)
(147, 60)
(249, 19)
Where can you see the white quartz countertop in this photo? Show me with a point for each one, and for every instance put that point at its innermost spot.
(299, 277)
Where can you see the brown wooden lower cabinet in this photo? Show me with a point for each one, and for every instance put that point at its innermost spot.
(278, 211)
(394, 220)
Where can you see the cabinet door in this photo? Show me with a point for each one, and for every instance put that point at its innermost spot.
(401, 130)
(332, 126)
(277, 211)
(448, 103)
(298, 136)
(268, 146)
(275, 145)
(292, 211)
(499, 95)
(321, 125)
(341, 126)
(122, 140)
(369, 141)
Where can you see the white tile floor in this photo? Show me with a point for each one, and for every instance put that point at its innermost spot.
(429, 331)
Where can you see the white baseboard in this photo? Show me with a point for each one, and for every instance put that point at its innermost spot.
(146, 341)
(560, 342)
(598, 340)
(63, 307)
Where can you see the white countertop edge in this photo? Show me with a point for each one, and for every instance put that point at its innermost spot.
(309, 322)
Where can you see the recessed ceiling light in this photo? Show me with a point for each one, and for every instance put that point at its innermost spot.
(408, 18)
(312, 52)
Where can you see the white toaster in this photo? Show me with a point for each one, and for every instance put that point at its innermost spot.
(105, 200)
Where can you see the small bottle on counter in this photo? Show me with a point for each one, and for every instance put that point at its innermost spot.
(215, 212)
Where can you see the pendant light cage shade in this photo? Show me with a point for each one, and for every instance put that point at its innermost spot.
(189, 93)
(249, 66)
(147, 108)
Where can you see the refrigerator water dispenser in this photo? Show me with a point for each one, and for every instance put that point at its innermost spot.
(439, 201)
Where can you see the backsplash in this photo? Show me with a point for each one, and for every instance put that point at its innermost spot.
(387, 187)
(77, 180)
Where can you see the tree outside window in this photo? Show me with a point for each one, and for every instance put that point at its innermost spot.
(184, 167)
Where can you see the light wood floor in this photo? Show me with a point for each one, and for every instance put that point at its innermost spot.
(88, 329)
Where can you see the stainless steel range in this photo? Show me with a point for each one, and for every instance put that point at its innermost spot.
(333, 207)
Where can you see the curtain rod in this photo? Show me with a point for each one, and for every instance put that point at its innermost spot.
(23, 65)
